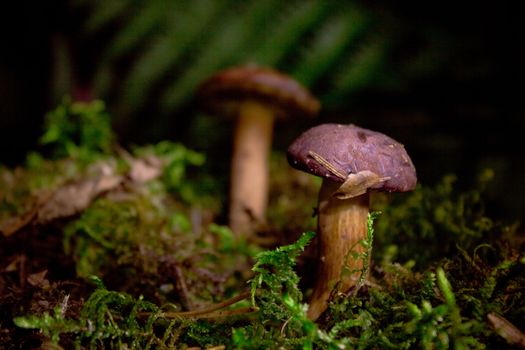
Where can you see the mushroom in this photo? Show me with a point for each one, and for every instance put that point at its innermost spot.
(256, 96)
(352, 161)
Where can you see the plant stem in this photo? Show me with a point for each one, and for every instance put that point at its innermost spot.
(209, 311)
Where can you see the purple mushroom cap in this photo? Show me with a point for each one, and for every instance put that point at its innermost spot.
(351, 149)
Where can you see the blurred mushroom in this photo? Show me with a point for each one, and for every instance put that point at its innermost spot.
(351, 160)
(256, 96)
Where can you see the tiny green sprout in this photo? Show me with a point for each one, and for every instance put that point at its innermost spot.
(445, 287)
(414, 311)
(52, 325)
(225, 236)
(362, 256)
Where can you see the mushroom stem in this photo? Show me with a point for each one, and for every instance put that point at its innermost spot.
(342, 224)
(249, 178)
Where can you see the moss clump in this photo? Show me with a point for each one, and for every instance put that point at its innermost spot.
(78, 130)
(438, 218)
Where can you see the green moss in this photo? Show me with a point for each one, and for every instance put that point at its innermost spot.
(80, 130)
(438, 219)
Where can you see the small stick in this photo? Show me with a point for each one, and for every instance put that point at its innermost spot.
(319, 159)
(183, 288)
(210, 309)
(217, 314)
(507, 330)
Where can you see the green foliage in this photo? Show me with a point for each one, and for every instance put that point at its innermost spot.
(78, 130)
(111, 319)
(103, 233)
(206, 334)
(77, 136)
(275, 275)
(438, 219)
(431, 310)
(282, 316)
(442, 327)
(115, 320)
(275, 291)
(229, 244)
(51, 325)
(147, 232)
(177, 177)
(388, 319)
(108, 319)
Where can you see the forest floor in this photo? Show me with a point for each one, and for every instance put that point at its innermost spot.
(106, 248)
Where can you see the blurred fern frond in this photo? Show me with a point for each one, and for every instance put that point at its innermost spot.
(166, 50)
(327, 46)
(157, 52)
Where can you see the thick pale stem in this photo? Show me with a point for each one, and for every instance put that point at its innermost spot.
(342, 224)
(249, 178)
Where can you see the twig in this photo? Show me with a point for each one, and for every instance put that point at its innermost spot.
(215, 314)
(210, 309)
(326, 164)
(507, 330)
(183, 288)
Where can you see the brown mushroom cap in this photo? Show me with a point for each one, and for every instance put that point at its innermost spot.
(351, 149)
(224, 92)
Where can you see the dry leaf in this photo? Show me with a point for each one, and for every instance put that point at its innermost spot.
(15, 264)
(144, 170)
(10, 226)
(357, 184)
(73, 198)
(38, 279)
(66, 201)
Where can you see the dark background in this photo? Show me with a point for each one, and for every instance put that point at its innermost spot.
(441, 77)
